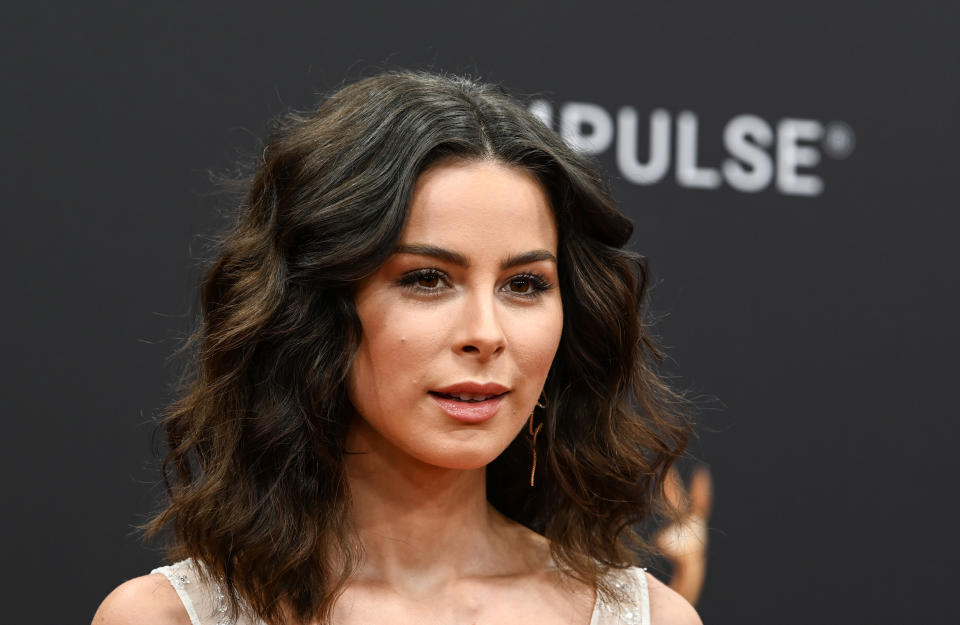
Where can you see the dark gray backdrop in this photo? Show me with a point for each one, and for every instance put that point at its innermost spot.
(824, 325)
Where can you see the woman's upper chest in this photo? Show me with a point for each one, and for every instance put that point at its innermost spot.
(532, 602)
(508, 601)
(528, 603)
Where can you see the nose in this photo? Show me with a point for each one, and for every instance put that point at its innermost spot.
(480, 333)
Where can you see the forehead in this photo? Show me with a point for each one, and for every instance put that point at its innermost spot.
(480, 204)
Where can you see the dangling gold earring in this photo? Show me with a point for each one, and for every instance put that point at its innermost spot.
(533, 432)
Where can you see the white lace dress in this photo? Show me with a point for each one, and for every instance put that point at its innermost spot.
(206, 604)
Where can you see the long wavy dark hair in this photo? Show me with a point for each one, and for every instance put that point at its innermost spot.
(255, 471)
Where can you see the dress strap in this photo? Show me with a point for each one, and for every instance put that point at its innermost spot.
(181, 575)
(643, 596)
(635, 607)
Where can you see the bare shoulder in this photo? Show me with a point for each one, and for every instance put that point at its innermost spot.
(667, 607)
(146, 600)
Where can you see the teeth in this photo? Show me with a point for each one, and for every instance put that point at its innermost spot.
(472, 397)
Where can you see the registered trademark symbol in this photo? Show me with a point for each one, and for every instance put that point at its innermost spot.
(839, 140)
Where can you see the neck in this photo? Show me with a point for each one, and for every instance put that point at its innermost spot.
(421, 525)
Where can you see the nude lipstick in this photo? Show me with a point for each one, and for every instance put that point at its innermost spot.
(470, 402)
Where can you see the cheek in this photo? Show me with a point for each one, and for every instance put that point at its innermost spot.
(536, 341)
(394, 351)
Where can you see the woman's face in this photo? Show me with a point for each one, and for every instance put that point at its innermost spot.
(461, 324)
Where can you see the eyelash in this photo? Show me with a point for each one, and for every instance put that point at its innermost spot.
(538, 283)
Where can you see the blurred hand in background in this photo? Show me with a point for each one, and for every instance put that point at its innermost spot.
(684, 543)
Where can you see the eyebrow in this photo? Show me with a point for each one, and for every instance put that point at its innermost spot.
(459, 259)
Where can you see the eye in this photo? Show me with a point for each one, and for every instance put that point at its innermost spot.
(423, 280)
(521, 285)
(428, 280)
(527, 285)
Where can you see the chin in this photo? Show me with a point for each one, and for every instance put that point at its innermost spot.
(463, 459)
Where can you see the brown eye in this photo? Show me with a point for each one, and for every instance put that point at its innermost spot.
(527, 286)
(522, 286)
(425, 282)
(428, 281)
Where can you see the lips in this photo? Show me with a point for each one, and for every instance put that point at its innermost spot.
(466, 397)
(470, 402)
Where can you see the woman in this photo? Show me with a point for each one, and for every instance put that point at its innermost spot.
(415, 383)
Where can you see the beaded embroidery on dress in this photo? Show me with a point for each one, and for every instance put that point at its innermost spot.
(206, 603)
(635, 610)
